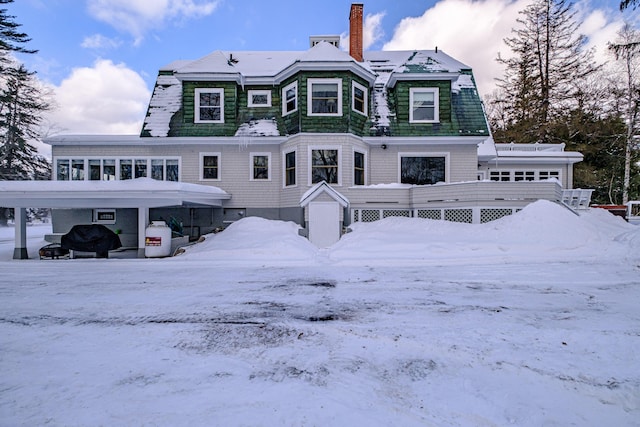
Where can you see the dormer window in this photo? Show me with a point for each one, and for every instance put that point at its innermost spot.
(325, 97)
(424, 105)
(259, 98)
(209, 105)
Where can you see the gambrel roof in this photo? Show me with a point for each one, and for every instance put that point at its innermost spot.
(382, 69)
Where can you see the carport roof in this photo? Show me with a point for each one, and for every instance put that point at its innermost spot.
(134, 193)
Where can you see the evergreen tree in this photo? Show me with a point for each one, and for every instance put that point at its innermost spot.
(540, 77)
(22, 102)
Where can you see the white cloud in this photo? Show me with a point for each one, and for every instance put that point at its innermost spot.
(107, 98)
(136, 17)
(472, 31)
(98, 41)
(372, 31)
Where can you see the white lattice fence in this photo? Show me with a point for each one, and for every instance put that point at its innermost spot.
(429, 214)
(488, 215)
(459, 215)
(396, 212)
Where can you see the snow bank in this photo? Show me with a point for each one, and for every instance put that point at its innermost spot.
(543, 231)
(255, 239)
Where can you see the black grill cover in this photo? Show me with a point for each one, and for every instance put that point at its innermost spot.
(90, 238)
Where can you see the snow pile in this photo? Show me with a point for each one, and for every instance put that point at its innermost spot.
(255, 239)
(543, 231)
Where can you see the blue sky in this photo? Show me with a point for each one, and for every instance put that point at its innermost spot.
(101, 57)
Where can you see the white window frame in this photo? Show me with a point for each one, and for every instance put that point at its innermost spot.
(285, 89)
(196, 113)
(252, 92)
(357, 85)
(284, 168)
(310, 83)
(117, 160)
(511, 174)
(201, 172)
(364, 154)
(436, 103)
(447, 162)
(251, 166)
(310, 159)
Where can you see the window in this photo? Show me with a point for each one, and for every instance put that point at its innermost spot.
(359, 98)
(290, 99)
(157, 169)
(173, 170)
(126, 169)
(358, 168)
(422, 170)
(260, 166)
(500, 175)
(209, 106)
(259, 98)
(324, 97)
(210, 166)
(524, 176)
(424, 105)
(62, 170)
(77, 169)
(549, 174)
(92, 169)
(141, 168)
(290, 168)
(324, 166)
(109, 170)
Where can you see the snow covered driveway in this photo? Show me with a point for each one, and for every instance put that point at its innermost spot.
(530, 320)
(142, 343)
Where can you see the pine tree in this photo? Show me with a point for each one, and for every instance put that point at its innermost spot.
(22, 102)
(540, 78)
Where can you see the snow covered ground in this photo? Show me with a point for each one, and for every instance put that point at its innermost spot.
(530, 320)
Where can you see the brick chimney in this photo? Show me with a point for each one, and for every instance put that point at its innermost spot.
(355, 31)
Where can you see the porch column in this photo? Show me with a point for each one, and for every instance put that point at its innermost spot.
(143, 222)
(20, 221)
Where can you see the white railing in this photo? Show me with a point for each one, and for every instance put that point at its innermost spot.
(577, 199)
(530, 147)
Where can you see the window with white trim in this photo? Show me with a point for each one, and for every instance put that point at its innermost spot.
(324, 165)
(209, 166)
(424, 105)
(111, 169)
(209, 105)
(290, 99)
(420, 169)
(324, 97)
(289, 168)
(260, 166)
(359, 98)
(358, 168)
(507, 175)
(259, 98)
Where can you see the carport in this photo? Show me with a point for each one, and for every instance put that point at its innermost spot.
(140, 193)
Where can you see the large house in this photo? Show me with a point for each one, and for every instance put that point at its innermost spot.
(321, 137)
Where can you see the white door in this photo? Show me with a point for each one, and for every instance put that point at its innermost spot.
(324, 223)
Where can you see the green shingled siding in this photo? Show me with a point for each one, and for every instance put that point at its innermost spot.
(349, 122)
(187, 125)
(460, 112)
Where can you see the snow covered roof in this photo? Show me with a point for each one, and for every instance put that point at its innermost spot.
(382, 69)
(139, 192)
(319, 188)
